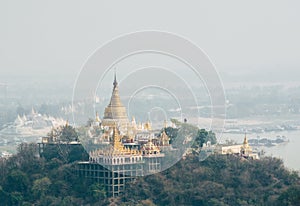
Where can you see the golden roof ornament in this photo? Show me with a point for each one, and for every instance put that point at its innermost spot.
(150, 148)
(117, 148)
(165, 139)
(97, 119)
(147, 126)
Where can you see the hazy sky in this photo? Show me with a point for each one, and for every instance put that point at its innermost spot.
(41, 38)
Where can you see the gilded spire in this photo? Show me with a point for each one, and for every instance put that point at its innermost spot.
(245, 139)
(117, 145)
(115, 97)
(165, 139)
(97, 117)
(246, 149)
(116, 139)
(115, 80)
(115, 109)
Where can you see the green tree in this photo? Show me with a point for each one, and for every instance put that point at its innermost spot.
(172, 133)
(68, 134)
(64, 133)
(176, 122)
(16, 198)
(27, 158)
(290, 197)
(4, 196)
(204, 136)
(64, 152)
(41, 187)
(17, 181)
(97, 192)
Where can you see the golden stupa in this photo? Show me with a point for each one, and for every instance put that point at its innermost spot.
(115, 112)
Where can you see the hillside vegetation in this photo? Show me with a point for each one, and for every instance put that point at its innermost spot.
(219, 180)
(27, 179)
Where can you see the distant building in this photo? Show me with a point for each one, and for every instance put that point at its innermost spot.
(28, 128)
(5, 154)
(244, 150)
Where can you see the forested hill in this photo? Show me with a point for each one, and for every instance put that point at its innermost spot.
(26, 179)
(219, 180)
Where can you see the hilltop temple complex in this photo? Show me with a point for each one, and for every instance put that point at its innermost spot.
(122, 149)
(244, 150)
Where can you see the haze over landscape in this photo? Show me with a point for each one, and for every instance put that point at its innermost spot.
(253, 45)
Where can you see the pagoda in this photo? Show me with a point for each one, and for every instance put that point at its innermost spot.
(115, 112)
